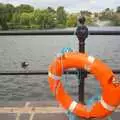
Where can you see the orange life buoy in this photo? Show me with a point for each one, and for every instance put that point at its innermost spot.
(110, 96)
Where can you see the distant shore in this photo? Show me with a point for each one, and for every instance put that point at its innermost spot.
(27, 17)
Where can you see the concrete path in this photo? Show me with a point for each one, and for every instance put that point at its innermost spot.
(44, 110)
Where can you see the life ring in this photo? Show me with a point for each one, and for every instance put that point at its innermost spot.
(110, 96)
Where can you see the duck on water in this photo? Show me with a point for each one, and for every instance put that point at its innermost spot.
(24, 64)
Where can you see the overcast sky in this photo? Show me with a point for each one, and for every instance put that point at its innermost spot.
(70, 5)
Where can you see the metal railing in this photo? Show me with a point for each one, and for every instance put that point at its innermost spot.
(52, 32)
(43, 72)
(57, 32)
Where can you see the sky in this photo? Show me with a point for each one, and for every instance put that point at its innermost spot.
(69, 5)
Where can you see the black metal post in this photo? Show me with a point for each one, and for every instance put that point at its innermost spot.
(82, 34)
(81, 77)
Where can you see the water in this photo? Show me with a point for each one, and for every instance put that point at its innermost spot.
(39, 51)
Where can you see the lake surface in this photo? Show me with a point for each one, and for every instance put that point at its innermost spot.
(39, 51)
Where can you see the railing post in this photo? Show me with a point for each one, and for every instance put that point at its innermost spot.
(82, 34)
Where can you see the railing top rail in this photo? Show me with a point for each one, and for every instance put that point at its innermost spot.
(58, 32)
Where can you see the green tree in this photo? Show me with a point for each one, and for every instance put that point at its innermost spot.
(51, 10)
(89, 20)
(24, 8)
(118, 9)
(6, 13)
(10, 9)
(44, 19)
(71, 20)
(16, 18)
(61, 17)
(15, 21)
(107, 14)
(22, 20)
(3, 17)
(85, 13)
(107, 9)
(116, 19)
(25, 19)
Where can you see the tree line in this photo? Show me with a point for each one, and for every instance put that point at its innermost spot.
(27, 17)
